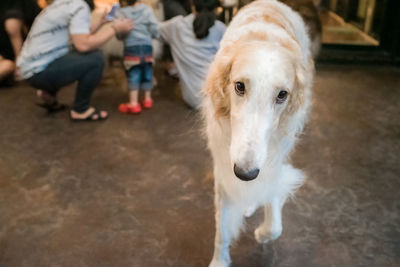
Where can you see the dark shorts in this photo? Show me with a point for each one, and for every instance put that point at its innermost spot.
(6, 49)
(7, 81)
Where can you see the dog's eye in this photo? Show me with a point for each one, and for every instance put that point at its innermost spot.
(239, 88)
(281, 97)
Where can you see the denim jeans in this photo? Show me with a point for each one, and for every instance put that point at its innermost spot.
(139, 68)
(86, 68)
(140, 77)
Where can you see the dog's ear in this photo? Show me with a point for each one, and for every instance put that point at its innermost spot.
(292, 119)
(217, 83)
(300, 83)
(299, 104)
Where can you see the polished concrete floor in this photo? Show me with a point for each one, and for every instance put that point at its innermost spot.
(137, 190)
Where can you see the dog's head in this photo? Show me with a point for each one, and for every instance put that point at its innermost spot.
(257, 87)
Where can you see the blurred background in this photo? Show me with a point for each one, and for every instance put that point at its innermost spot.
(363, 30)
(138, 190)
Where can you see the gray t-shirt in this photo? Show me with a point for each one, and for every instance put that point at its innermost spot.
(146, 25)
(49, 37)
(192, 56)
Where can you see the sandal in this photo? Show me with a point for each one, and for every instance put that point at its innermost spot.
(91, 117)
(53, 107)
(49, 102)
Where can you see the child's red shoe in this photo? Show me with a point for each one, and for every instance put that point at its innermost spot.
(147, 103)
(127, 108)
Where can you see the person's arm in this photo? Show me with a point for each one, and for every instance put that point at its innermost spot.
(13, 27)
(167, 29)
(88, 42)
(99, 21)
(79, 29)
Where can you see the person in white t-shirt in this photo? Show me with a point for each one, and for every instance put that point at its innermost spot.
(194, 41)
(61, 48)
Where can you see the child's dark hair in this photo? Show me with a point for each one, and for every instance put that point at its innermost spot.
(205, 17)
(131, 2)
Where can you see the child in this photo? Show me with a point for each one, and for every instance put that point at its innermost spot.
(138, 55)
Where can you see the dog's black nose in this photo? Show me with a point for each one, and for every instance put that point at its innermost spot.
(245, 175)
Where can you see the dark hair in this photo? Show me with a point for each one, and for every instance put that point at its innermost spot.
(90, 4)
(205, 17)
(130, 2)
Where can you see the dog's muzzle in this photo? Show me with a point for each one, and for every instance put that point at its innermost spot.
(245, 175)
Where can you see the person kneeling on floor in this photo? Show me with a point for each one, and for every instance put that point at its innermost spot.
(48, 62)
(194, 41)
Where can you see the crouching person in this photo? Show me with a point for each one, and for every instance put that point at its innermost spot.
(48, 61)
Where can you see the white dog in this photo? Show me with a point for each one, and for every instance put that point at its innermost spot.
(257, 98)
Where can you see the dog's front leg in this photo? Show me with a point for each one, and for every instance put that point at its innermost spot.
(271, 228)
(228, 223)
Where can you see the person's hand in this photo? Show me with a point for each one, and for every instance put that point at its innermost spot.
(103, 16)
(123, 26)
(18, 75)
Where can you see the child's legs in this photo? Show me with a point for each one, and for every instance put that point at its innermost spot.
(147, 80)
(133, 97)
(134, 75)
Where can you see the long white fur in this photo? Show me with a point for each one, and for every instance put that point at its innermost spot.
(250, 132)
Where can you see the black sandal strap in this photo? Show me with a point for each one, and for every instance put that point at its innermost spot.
(90, 117)
(53, 107)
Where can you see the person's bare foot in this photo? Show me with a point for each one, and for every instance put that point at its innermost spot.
(90, 114)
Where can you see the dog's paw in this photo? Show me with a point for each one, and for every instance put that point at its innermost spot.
(218, 263)
(263, 235)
